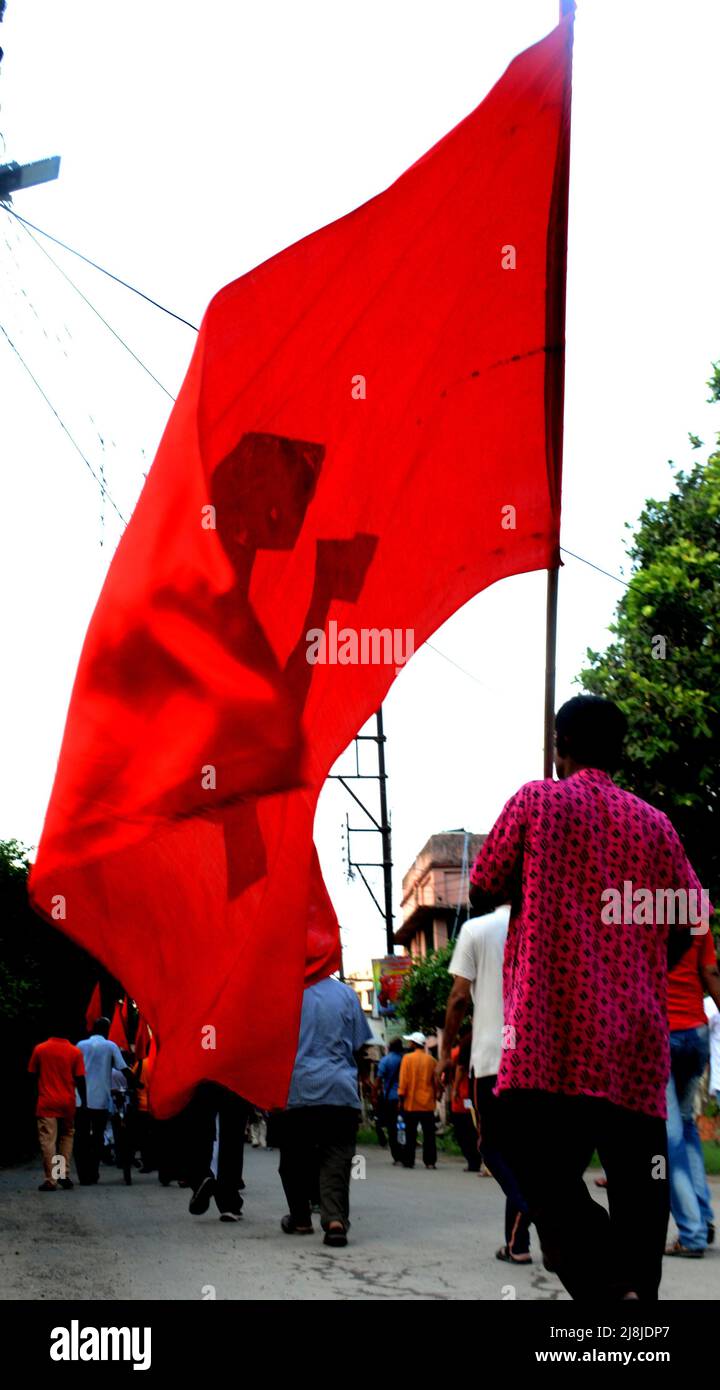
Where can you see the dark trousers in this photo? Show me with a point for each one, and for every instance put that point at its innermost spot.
(172, 1142)
(466, 1136)
(317, 1146)
(144, 1138)
(391, 1114)
(492, 1143)
(212, 1103)
(89, 1140)
(550, 1141)
(426, 1120)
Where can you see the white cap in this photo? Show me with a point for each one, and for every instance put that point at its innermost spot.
(418, 1038)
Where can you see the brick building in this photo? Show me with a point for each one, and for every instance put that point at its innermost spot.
(433, 887)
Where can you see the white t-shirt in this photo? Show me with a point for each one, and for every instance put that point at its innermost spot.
(478, 956)
(713, 1017)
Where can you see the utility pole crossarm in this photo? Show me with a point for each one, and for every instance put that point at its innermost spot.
(15, 176)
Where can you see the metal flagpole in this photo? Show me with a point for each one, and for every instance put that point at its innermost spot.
(550, 645)
(567, 7)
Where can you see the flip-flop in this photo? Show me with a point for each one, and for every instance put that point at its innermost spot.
(504, 1254)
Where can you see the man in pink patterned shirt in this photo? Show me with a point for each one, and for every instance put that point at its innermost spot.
(586, 1055)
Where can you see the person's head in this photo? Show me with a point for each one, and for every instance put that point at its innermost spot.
(57, 1026)
(589, 732)
(416, 1040)
(395, 1045)
(101, 1026)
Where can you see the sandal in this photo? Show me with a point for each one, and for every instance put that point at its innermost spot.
(505, 1254)
(291, 1228)
(677, 1248)
(335, 1235)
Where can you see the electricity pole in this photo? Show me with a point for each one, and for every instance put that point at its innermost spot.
(379, 827)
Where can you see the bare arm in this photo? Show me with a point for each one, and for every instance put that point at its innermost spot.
(455, 1012)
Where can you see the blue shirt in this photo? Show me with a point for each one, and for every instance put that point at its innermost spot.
(333, 1028)
(388, 1074)
(100, 1056)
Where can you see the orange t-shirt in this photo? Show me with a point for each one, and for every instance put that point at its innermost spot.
(56, 1063)
(686, 991)
(416, 1085)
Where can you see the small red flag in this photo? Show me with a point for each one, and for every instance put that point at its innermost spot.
(94, 1008)
(368, 434)
(118, 1027)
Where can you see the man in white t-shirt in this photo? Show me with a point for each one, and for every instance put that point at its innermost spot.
(477, 967)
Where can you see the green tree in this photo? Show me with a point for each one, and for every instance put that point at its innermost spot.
(424, 995)
(45, 985)
(663, 665)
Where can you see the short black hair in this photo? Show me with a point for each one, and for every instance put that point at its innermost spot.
(591, 730)
(395, 1045)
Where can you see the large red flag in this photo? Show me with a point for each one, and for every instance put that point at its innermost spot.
(368, 434)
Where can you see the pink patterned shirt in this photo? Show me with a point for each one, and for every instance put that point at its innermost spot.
(584, 999)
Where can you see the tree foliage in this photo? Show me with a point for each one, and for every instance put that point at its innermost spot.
(423, 997)
(663, 665)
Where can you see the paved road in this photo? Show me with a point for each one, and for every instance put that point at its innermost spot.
(415, 1235)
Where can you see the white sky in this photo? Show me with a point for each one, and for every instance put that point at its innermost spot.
(196, 141)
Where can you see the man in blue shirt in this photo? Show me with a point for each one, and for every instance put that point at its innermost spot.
(320, 1123)
(100, 1055)
(387, 1074)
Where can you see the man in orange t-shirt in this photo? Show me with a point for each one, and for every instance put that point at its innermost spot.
(416, 1099)
(695, 975)
(59, 1069)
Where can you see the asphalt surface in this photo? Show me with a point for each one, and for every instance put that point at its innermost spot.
(415, 1235)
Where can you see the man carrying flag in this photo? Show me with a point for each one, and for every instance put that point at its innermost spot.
(585, 1055)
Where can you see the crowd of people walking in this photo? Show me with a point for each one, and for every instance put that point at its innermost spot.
(592, 1021)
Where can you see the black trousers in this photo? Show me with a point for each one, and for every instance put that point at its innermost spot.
(89, 1139)
(466, 1136)
(391, 1115)
(494, 1148)
(213, 1102)
(550, 1141)
(426, 1120)
(317, 1147)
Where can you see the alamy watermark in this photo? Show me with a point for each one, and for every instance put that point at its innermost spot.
(363, 646)
(650, 907)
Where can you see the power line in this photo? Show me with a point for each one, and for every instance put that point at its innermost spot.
(475, 678)
(97, 312)
(607, 573)
(31, 227)
(102, 270)
(103, 489)
(457, 666)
